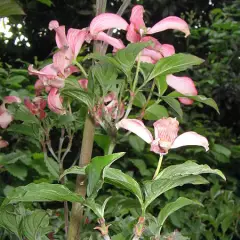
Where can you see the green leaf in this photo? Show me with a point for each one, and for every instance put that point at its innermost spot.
(95, 169)
(139, 100)
(46, 2)
(17, 170)
(155, 188)
(174, 104)
(42, 192)
(25, 129)
(74, 170)
(105, 73)
(137, 143)
(155, 112)
(52, 167)
(118, 178)
(35, 225)
(187, 168)
(176, 63)
(119, 236)
(199, 98)
(127, 57)
(9, 8)
(21, 113)
(221, 149)
(161, 84)
(66, 119)
(103, 141)
(141, 166)
(10, 220)
(172, 207)
(11, 158)
(97, 208)
(177, 175)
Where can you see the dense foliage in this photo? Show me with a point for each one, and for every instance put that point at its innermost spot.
(214, 210)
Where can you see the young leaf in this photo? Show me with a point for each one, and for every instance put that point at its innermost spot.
(74, 170)
(176, 63)
(103, 142)
(136, 143)
(42, 192)
(118, 178)
(35, 225)
(161, 84)
(172, 207)
(97, 208)
(95, 169)
(139, 100)
(127, 57)
(155, 112)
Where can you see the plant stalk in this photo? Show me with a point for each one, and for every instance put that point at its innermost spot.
(158, 166)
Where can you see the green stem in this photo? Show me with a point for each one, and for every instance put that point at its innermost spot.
(158, 167)
(81, 68)
(111, 147)
(135, 81)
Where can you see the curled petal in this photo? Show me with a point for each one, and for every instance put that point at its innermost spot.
(54, 102)
(3, 143)
(45, 73)
(30, 106)
(5, 119)
(83, 83)
(56, 83)
(75, 38)
(61, 38)
(167, 50)
(132, 36)
(116, 43)
(11, 99)
(156, 148)
(137, 17)
(39, 85)
(147, 59)
(155, 55)
(137, 127)
(184, 85)
(190, 138)
(171, 22)
(61, 60)
(106, 21)
(53, 24)
(40, 102)
(156, 44)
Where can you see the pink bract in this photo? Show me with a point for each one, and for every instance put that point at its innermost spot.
(165, 131)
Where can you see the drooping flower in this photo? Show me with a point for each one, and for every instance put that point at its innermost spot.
(107, 21)
(36, 107)
(109, 108)
(50, 77)
(3, 143)
(5, 117)
(55, 102)
(165, 134)
(71, 43)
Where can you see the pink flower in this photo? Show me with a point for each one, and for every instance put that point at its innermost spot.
(55, 102)
(5, 117)
(3, 143)
(70, 43)
(165, 131)
(109, 109)
(50, 77)
(83, 83)
(36, 107)
(106, 21)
